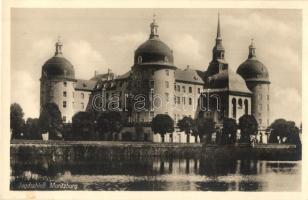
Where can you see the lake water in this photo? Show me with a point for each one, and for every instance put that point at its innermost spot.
(156, 174)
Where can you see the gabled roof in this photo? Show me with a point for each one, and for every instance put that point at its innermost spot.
(189, 75)
(86, 85)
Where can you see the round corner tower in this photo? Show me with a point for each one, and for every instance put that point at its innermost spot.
(256, 76)
(58, 83)
(153, 76)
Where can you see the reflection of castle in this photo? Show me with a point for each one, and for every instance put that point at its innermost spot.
(154, 85)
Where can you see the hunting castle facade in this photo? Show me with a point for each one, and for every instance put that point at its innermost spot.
(162, 87)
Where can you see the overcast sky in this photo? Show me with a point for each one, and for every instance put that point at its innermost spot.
(97, 39)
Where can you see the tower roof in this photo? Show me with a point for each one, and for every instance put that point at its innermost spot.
(252, 69)
(218, 49)
(58, 66)
(154, 51)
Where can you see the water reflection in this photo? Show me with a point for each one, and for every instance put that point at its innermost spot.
(146, 174)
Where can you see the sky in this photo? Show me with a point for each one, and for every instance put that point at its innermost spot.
(98, 39)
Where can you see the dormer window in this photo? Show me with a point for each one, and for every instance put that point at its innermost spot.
(139, 60)
(166, 59)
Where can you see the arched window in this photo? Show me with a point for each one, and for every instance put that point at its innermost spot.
(240, 104)
(234, 108)
(190, 89)
(246, 106)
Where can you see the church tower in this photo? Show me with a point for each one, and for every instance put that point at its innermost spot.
(256, 76)
(57, 84)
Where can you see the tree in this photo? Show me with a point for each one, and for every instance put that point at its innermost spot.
(162, 124)
(187, 125)
(205, 127)
(32, 129)
(109, 122)
(17, 123)
(83, 126)
(248, 126)
(50, 121)
(229, 130)
(286, 131)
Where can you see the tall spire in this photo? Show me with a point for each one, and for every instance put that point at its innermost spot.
(218, 50)
(218, 27)
(154, 28)
(252, 50)
(58, 47)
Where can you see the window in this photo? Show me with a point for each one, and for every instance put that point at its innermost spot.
(260, 107)
(64, 119)
(139, 60)
(190, 101)
(260, 121)
(259, 96)
(183, 88)
(73, 104)
(267, 97)
(167, 84)
(234, 108)
(167, 97)
(178, 88)
(183, 99)
(174, 86)
(268, 107)
(82, 95)
(73, 94)
(65, 83)
(240, 104)
(246, 106)
(82, 105)
(190, 89)
(64, 94)
(179, 100)
(199, 90)
(64, 104)
(167, 72)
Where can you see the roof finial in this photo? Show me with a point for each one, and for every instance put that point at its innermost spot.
(58, 47)
(154, 27)
(252, 50)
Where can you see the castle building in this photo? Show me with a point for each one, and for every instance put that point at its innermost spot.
(59, 85)
(154, 85)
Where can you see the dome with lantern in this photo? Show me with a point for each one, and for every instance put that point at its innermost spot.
(252, 69)
(58, 66)
(154, 51)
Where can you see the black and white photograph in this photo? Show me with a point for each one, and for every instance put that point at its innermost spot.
(155, 99)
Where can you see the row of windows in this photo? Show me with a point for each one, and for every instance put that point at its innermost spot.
(65, 94)
(260, 107)
(177, 100)
(73, 104)
(260, 96)
(178, 89)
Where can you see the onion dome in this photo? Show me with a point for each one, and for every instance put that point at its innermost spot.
(252, 69)
(153, 51)
(58, 66)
